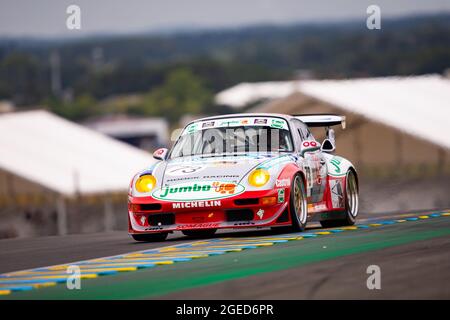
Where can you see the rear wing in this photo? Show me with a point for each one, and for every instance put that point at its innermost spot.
(321, 120)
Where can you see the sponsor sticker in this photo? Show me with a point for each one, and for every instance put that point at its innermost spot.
(196, 204)
(191, 128)
(337, 195)
(336, 164)
(234, 122)
(285, 182)
(260, 213)
(206, 225)
(281, 193)
(260, 121)
(229, 123)
(208, 124)
(277, 123)
(207, 190)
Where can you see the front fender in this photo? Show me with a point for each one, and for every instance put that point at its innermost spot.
(156, 169)
(285, 176)
(277, 168)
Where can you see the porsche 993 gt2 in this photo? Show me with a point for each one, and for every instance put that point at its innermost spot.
(244, 171)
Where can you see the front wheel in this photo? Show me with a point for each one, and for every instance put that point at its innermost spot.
(298, 204)
(351, 204)
(150, 237)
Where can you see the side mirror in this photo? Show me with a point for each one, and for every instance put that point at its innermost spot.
(308, 146)
(161, 154)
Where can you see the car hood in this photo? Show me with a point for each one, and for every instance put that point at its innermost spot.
(223, 168)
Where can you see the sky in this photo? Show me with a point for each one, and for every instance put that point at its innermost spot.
(47, 18)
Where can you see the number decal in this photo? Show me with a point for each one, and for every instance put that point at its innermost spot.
(182, 170)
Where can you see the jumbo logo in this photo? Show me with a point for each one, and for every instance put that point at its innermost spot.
(207, 190)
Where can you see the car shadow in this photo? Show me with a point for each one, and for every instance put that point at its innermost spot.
(224, 233)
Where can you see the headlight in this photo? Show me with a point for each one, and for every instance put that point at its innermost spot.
(259, 177)
(145, 183)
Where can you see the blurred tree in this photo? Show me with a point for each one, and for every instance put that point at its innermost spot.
(80, 108)
(21, 78)
(183, 69)
(181, 93)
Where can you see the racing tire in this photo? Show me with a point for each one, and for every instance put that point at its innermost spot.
(150, 237)
(206, 233)
(351, 203)
(298, 205)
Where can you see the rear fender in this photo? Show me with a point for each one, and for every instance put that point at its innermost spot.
(338, 166)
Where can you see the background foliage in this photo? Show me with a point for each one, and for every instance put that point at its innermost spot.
(170, 75)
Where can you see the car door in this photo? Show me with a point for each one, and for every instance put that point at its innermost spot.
(313, 162)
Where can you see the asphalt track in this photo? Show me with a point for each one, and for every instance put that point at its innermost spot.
(412, 250)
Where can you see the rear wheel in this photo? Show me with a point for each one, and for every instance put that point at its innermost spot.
(206, 233)
(150, 237)
(298, 204)
(351, 204)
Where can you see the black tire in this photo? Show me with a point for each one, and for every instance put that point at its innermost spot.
(206, 233)
(297, 202)
(150, 237)
(351, 204)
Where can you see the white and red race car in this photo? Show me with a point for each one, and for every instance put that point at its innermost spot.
(241, 171)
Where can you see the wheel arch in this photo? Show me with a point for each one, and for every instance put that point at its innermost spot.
(352, 169)
(302, 175)
(290, 170)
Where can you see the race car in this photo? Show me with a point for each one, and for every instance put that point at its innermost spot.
(244, 171)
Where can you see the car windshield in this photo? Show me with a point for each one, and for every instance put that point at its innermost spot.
(232, 136)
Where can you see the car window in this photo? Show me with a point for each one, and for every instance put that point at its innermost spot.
(302, 130)
(232, 140)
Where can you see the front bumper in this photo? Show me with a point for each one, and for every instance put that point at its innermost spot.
(249, 209)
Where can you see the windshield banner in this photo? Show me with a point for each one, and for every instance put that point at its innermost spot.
(272, 122)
